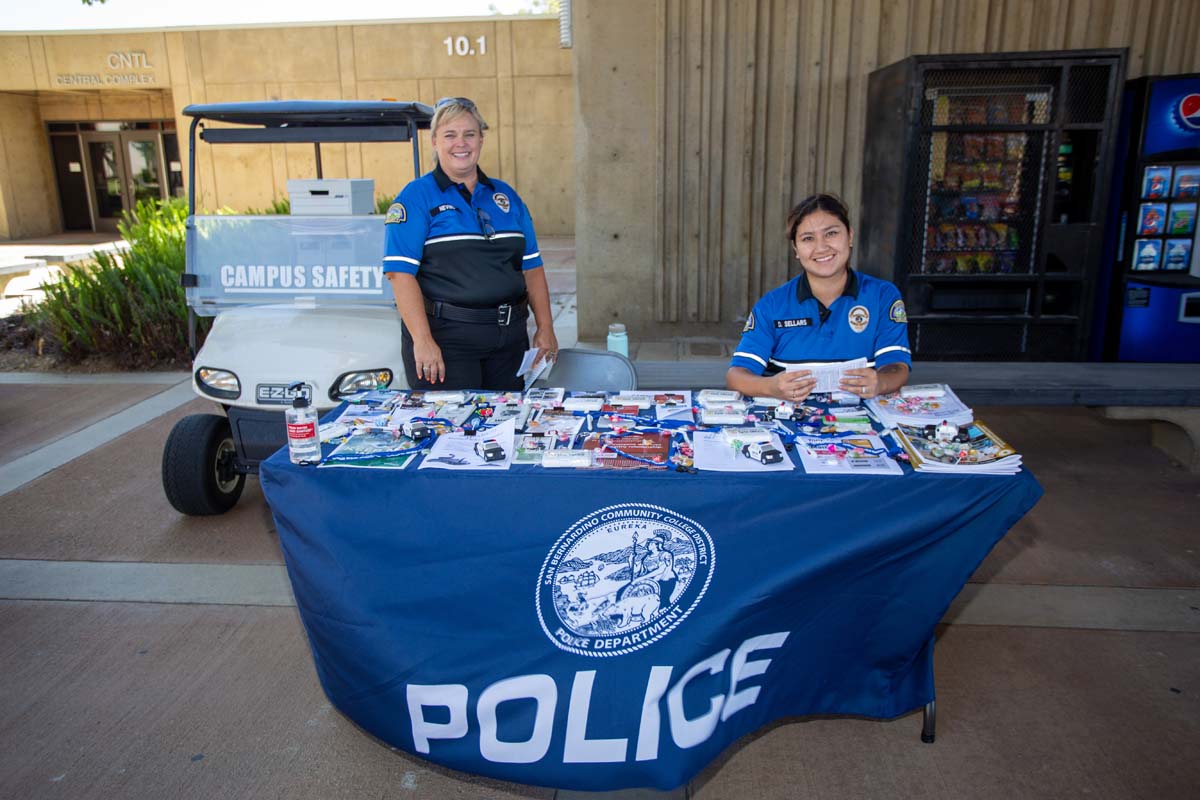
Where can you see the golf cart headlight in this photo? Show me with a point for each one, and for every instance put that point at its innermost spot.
(361, 381)
(219, 383)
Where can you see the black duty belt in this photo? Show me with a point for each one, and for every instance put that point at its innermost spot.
(500, 315)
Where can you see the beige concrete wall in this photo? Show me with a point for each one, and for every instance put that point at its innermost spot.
(521, 81)
(28, 197)
(700, 123)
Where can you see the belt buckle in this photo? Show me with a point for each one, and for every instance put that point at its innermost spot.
(505, 314)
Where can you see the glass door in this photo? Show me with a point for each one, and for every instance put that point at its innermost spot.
(143, 158)
(106, 170)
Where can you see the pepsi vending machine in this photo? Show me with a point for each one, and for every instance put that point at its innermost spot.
(1154, 303)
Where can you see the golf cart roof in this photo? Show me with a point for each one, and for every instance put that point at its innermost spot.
(315, 113)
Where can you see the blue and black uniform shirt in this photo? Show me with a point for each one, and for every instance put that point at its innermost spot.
(791, 326)
(468, 249)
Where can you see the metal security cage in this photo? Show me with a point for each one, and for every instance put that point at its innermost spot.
(990, 221)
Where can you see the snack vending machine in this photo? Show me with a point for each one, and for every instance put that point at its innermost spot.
(1153, 304)
(985, 185)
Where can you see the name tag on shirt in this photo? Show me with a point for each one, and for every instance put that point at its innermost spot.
(433, 212)
(803, 322)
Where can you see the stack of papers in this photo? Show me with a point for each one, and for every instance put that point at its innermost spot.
(983, 452)
(828, 373)
(918, 406)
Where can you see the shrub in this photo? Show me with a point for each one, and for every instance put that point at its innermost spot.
(282, 205)
(128, 307)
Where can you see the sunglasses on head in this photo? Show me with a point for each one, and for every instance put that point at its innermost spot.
(462, 101)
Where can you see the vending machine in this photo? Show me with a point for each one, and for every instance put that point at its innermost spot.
(985, 186)
(1153, 301)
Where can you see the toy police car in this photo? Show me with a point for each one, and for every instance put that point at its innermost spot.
(416, 430)
(763, 452)
(489, 450)
(947, 432)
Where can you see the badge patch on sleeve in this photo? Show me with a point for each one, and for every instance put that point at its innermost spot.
(859, 318)
(395, 214)
(898, 314)
(749, 323)
(501, 201)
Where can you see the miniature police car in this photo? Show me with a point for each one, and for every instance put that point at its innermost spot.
(416, 430)
(947, 432)
(489, 450)
(764, 452)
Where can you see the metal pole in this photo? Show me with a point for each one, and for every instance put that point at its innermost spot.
(929, 722)
(317, 148)
(192, 166)
(416, 146)
(191, 213)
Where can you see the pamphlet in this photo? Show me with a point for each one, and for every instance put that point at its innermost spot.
(545, 397)
(860, 454)
(532, 367)
(727, 451)
(367, 444)
(941, 405)
(633, 450)
(458, 451)
(828, 375)
(530, 447)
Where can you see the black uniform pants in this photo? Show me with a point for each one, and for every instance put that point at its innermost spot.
(477, 355)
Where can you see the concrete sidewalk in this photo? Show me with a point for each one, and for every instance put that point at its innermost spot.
(150, 655)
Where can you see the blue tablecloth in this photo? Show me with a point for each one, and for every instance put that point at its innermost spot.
(509, 624)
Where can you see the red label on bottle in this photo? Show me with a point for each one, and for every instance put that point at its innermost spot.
(301, 430)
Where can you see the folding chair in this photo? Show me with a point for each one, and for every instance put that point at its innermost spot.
(582, 370)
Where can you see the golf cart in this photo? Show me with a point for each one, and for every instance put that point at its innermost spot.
(297, 299)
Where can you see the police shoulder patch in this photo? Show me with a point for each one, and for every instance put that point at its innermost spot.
(501, 201)
(897, 313)
(749, 323)
(395, 214)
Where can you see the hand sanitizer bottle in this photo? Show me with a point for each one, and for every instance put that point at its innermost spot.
(618, 341)
(304, 442)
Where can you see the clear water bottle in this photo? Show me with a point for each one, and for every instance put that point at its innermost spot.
(304, 441)
(618, 340)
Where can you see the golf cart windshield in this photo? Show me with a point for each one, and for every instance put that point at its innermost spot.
(306, 260)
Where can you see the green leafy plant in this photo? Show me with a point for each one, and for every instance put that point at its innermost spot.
(129, 306)
(280, 205)
(383, 202)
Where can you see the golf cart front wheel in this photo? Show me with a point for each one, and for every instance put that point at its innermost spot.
(199, 473)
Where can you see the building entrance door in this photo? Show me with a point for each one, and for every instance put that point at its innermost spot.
(124, 167)
(109, 178)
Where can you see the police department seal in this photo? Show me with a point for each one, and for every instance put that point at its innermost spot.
(859, 317)
(501, 201)
(622, 578)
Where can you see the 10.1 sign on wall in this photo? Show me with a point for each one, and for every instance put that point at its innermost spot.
(461, 46)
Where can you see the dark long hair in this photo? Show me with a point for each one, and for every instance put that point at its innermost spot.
(821, 201)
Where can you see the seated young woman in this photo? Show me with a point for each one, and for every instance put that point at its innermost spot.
(828, 313)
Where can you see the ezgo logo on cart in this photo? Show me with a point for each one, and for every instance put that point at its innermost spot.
(279, 394)
(622, 578)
